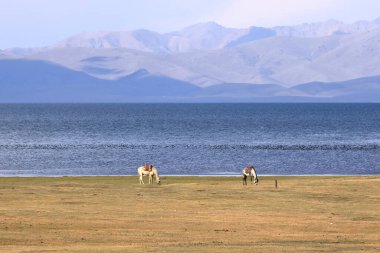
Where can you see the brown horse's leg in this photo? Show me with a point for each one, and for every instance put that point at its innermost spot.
(244, 180)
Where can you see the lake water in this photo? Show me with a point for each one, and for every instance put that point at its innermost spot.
(189, 139)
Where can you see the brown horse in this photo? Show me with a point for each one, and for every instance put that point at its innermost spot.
(250, 171)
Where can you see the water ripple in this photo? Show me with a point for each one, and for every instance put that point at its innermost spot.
(297, 147)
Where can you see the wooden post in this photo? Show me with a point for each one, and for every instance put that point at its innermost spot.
(275, 183)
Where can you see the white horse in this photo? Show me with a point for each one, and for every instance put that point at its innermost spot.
(148, 170)
(250, 171)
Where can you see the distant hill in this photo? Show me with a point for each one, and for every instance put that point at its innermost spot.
(39, 81)
(356, 90)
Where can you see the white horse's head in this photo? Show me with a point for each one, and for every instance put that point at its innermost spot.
(154, 173)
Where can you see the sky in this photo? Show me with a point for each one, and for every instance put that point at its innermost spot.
(38, 23)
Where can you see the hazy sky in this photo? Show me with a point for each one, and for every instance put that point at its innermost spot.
(31, 23)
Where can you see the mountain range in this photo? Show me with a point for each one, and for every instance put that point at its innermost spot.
(327, 61)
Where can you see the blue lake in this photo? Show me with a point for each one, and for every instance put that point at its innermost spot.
(189, 139)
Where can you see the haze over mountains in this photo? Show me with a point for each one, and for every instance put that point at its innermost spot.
(209, 36)
(329, 61)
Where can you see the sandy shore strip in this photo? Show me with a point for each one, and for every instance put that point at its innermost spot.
(190, 214)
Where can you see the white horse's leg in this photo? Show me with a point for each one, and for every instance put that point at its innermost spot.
(141, 179)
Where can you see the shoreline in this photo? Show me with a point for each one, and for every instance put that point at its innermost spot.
(203, 175)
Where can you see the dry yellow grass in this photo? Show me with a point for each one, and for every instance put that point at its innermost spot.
(190, 214)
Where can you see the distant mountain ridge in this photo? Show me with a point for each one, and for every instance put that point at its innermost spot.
(286, 61)
(204, 36)
(209, 36)
(210, 60)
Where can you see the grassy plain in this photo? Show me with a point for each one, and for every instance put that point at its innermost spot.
(190, 214)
